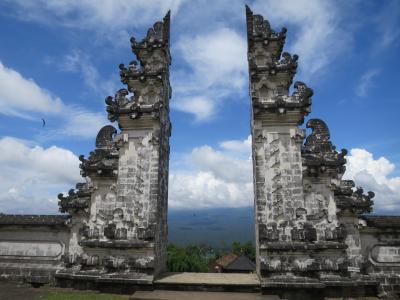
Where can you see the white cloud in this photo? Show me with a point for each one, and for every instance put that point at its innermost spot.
(215, 55)
(217, 178)
(222, 165)
(218, 69)
(201, 107)
(223, 178)
(32, 176)
(238, 146)
(100, 15)
(320, 37)
(80, 62)
(83, 124)
(204, 189)
(21, 96)
(365, 82)
(375, 175)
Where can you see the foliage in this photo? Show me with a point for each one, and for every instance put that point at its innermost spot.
(81, 296)
(196, 258)
(186, 259)
(246, 249)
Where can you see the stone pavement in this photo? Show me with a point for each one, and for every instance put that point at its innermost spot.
(210, 279)
(16, 291)
(183, 295)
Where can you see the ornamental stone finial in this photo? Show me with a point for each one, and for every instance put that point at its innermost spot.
(319, 153)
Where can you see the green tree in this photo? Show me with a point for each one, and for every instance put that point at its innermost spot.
(185, 259)
(246, 249)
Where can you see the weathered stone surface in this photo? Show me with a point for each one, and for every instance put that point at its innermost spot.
(32, 247)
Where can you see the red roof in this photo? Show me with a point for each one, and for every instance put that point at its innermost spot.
(226, 260)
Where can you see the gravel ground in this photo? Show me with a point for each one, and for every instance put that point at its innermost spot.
(15, 291)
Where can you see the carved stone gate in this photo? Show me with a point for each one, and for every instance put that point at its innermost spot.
(119, 215)
(312, 233)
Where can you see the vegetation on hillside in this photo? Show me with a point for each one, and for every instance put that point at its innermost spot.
(246, 249)
(197, 258)
(186, 259)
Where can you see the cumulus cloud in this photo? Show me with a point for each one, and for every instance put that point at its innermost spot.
(375, 175)
(32, 176)
(84, 124)
(201, 107)
(21, 96)
(218, 69)
(216, 178)
(238, 146)
(205, 190)
(222, 177)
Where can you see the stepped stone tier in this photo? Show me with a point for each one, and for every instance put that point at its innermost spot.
(314, 234)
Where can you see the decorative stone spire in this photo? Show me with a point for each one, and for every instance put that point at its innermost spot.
(77, 200)
(271, 72)
(320, 156)
(147, 78)
(104, 159)
(354, 202)
(103, 162)
(259, 30)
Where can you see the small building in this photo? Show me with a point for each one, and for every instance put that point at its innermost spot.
(232, 263)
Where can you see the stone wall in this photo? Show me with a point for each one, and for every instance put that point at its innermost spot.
(32, 247)
(380, 243)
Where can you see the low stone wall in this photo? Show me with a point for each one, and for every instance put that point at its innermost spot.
(32, 247)
(380, 239)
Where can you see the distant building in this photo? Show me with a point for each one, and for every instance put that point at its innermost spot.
(231, 263)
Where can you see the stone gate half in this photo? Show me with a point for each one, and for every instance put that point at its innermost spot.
(119, 215)
(303, 239)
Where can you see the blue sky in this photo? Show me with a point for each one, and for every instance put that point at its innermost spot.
(59, 60)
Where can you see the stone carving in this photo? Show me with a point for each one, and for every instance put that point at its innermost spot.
(319, 153)
(260, 28)
(78, 199)
(104, 159)
(355, 201)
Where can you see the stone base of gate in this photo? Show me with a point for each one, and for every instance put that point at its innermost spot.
(210, 282)
(116, 284)
(298, 288)
(314, 289)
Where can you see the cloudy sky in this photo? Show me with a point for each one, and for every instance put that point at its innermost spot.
(59, 60)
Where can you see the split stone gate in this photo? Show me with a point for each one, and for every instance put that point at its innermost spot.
(312, 228)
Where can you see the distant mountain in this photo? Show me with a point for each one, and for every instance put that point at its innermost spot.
(217, 227)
